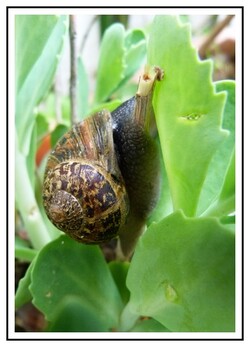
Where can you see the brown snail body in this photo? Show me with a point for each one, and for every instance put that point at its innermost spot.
(102, 178)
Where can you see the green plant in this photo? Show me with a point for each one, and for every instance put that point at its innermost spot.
(181, 277)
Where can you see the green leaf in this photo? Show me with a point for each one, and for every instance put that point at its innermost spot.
(82, 90)
(38, 80)
(220, 161)
(121, 55)
(57, 133)
(149, 325)
(42, 125)
(23, 294)
(73, 315)
(66, 111)
(30, 160)
(188, 110)
(182, 274)
(110, 106)
(226, 201)
(30, 29)
(164, 205)
(119, 272)
(111, 62)
(229, 111)
(107, 20)
(228, 219)
(135, 52)
(228, 189)
(23, 250)
(67, 268)
(27, 204)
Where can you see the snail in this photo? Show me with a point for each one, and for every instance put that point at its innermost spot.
(83, 193)
(102, 177)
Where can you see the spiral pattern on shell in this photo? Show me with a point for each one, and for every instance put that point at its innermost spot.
(83, 193)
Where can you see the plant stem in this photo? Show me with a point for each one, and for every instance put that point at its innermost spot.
(27, 205)
(85, 36)
(128, 318)
(73, 69)
(25, 254)
(209, 40)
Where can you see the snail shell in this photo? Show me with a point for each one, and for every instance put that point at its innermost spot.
(84, 193)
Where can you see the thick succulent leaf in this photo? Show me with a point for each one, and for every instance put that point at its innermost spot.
(23, 250)
(42, 125)
(57, 133)
(37, 79)
(30, 29)
(111, 62)
(23, 294)
(30, 159)
(164, 205)
(109, 106)
(225, 204)
(135, 46)
(67, 268)
(220, 161)
(73, 315)
(121, 54)
(228, 188)
(188, 110)
(182, 274)
(149, 325)
(119, 272)
(26, 203)
(82, 90)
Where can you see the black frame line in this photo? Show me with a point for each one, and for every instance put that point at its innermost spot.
(7, 172)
